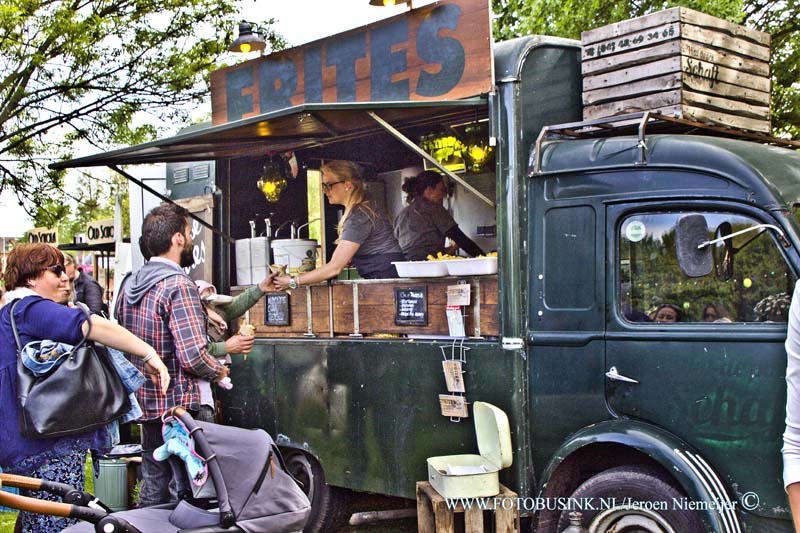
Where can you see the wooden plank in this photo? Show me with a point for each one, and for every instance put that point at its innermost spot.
(473, 520)
(693, 67)
(696, 114)
(630, 26)
(298, 323)
(425, 518)
(628, 75)
(725, 105)
(672, 15)
(727, 90)
(505, 520)
(760, 69)
(632, 41)
(443, 517)
(678, 80)
(654, 101)
(735, 30)
(633, 105)
(629, 59)
(725, 42)
(714, 116)
(632, 89)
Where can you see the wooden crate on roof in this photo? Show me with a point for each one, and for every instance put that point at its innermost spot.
(678, 62)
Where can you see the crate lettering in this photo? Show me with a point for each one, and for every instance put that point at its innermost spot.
(630, 41)
(697, 69)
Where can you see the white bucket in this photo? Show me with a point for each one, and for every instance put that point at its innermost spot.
(300, 255)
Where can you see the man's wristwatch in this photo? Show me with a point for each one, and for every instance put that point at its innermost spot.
(294, 282)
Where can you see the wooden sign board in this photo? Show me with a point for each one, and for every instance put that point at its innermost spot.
(453, 406)
(276, 305)
(45, 235)
(453, 376)
(411, 306)
(458, 294)
(440, 51)
(678, 62)
(100, 231)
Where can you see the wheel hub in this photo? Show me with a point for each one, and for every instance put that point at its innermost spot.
(627, 519)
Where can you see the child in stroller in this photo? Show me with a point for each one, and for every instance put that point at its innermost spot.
(252, 491)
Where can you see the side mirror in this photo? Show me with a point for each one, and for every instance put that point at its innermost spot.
(724, 252)
(691, 232)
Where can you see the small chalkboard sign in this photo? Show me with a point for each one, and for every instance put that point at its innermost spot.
(276, 309)
(411, 306)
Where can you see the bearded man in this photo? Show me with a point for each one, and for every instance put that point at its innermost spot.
(160, 304)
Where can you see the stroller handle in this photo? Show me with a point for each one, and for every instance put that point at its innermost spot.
(34, 505)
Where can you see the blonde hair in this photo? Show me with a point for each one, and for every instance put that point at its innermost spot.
(351, 173)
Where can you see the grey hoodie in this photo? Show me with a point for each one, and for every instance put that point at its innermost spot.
(151, 273)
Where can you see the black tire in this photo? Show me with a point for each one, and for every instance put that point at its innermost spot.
(618, 487)
(328, 504)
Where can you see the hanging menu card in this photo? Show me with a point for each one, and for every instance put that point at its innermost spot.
(411, 306)
(276, 309)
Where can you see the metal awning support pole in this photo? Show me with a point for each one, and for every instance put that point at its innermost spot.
(425, 155)
(163, 198)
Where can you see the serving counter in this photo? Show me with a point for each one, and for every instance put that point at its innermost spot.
(370, 308)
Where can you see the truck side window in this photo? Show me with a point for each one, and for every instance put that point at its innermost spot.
(750, 282)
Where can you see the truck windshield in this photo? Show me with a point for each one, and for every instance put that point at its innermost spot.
(751, 281)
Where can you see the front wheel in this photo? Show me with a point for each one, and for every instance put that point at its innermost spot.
(631, 499)
(328, 504)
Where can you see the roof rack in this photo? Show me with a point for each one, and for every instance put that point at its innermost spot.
(639, 124)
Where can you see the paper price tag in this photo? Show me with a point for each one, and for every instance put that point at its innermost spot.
(453, 406)
(458, 294)
(453, 376)
(455, 321)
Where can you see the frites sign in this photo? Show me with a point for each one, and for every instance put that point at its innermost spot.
(437, 52)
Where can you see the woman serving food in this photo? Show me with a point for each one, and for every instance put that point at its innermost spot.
(365, 233)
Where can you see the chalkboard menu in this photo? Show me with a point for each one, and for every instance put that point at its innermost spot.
(411, 306)
(276, 309)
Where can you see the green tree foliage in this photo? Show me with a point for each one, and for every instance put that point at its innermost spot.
(87, 71)
(568, 18)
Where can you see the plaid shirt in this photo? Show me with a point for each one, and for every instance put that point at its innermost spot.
(170, 318)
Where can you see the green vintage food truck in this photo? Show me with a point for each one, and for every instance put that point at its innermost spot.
(637, 423)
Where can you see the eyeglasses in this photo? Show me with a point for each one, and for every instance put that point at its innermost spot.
(58, 270)
(328, 186)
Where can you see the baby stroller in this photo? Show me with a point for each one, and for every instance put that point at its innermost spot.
(252, 491)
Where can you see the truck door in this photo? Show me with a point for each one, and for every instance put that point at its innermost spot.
(703, 358)
(566, 318)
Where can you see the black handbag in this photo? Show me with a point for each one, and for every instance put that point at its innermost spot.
(81, 393)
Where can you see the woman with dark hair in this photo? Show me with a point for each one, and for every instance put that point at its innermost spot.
(37, 286)
(365, 233)
(668, 313)
(422, 226)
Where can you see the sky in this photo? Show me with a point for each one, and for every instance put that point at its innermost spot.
(299, 21)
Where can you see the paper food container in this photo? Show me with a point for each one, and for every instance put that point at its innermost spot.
(476, 476)
(420, 269)
(477, 266)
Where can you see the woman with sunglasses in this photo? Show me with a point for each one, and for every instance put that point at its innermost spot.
(365, 234)
(38, 287)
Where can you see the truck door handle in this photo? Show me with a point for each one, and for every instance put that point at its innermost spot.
(613, 375)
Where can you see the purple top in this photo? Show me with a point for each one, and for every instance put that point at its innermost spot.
(37, 318)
